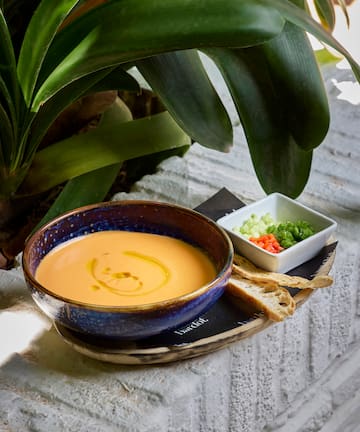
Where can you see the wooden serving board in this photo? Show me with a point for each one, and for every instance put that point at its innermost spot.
(227, 321)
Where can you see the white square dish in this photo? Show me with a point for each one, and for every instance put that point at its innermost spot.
(281, 209)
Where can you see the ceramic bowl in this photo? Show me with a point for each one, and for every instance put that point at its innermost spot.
(281, 208)
(140, 321)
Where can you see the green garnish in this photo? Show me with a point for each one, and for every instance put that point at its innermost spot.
(290, 233)
(286, 233)
(255, 226)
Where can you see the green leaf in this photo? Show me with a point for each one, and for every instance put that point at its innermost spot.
(300, 18)
(8, 102)
(7, 141)
(111, 142)
(300, 86)
(324, 56)
(280, 164)
(105, 79)
(90, 187)
(41, 30)
(117, 79)
(183, 86)
(343, 7)
(7, 58)
(85, 189)
(326, 12)
(54, 106)
(88, 44)
(94, 186)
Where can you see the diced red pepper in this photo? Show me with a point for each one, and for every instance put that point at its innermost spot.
(267, 242)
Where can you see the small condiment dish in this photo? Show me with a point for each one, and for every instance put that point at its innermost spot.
(282, 209)
(140, 320)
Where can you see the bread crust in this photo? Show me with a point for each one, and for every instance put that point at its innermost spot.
(246, 269)
(275, 301)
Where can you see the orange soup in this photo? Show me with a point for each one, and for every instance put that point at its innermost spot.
(121, 268)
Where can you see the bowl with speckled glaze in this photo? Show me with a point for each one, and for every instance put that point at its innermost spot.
(141, 320)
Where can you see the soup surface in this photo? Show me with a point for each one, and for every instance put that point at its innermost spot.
(121, 268)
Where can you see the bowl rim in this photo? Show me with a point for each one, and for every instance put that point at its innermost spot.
(144, 307)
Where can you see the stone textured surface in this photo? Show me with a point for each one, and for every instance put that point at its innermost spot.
(302, 375)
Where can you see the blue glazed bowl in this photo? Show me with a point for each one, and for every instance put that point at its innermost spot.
(129, 322)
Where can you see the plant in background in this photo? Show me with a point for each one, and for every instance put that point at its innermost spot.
(70, 49)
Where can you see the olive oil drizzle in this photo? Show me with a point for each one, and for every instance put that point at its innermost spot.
(112, 278)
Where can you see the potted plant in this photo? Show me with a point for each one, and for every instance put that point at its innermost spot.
(71, 49)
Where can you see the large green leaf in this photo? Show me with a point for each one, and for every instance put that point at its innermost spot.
(279, 162)
(8, 124)
(7, 58)
(90, 187)
(183, 85)
(105, 79)
(39, 34)
(116, 79)
(85, 189)
(300, 86)
(111, 142)
(300, 18)
(128, 30)
(95, 185)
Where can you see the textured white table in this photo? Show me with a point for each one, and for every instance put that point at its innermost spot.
(299, 375)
